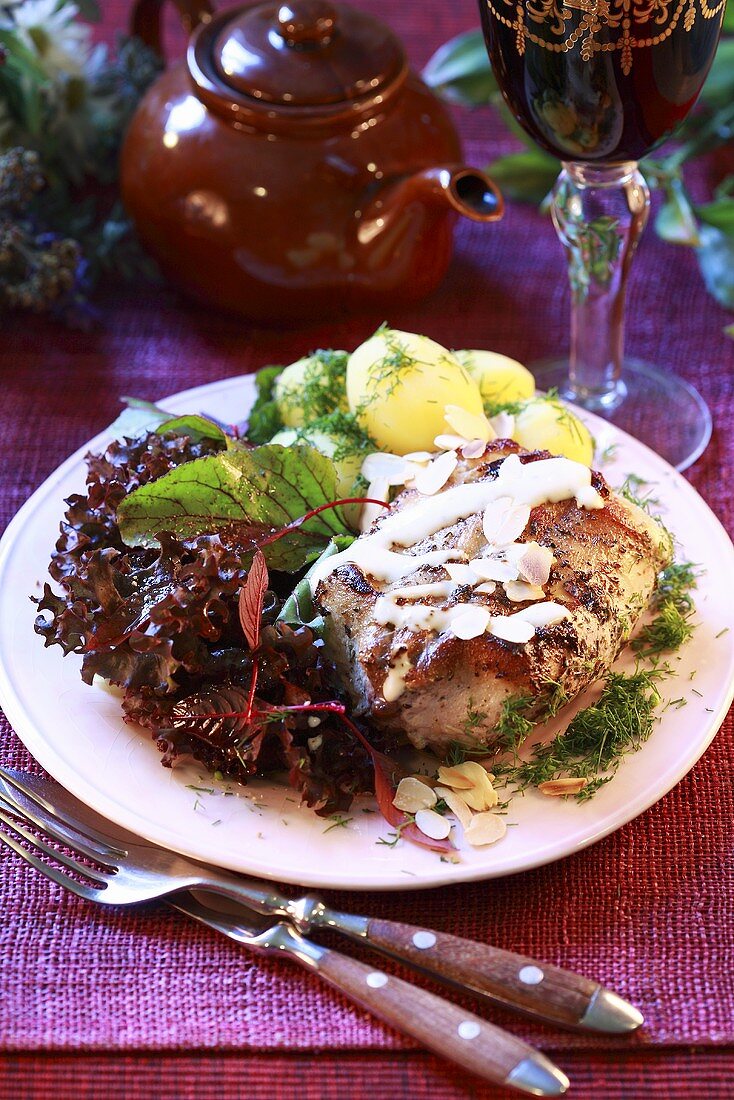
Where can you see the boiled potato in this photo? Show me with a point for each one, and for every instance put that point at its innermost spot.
(347, 465)
(546, 424)
(398, 384)
(500, 379)
(311, 387)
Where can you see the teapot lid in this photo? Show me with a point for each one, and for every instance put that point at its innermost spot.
(305, 53)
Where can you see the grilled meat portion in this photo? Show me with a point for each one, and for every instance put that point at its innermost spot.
(399, 634)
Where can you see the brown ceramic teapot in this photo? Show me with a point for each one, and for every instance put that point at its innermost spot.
(293, 166)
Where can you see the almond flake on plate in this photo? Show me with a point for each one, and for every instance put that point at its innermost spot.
(519, 591)
(471, 622)
(455, 778)
(556, 788)
(430, 479)
(469, 425)
(413, 795)
(504, 521)
(456, 804)
(481, 795)
(484, 828)
(486, 588)
(432, 824)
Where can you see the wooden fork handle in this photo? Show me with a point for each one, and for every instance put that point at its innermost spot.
(443, 1027)
(540, 989)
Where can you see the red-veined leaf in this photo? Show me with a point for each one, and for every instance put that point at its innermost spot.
(251, 599)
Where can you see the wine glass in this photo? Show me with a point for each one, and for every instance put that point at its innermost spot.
(599, 83)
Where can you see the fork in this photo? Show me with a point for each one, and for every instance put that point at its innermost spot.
(445, 1028)
(129, 870)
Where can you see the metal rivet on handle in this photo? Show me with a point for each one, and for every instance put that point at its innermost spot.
(376, 979)
(424, 940)
(531, 975)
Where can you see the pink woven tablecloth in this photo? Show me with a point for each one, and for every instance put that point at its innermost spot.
(143, 1003)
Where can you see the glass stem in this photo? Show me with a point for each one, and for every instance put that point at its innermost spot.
(599, 214)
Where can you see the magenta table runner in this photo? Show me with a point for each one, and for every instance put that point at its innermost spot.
(143, 1003)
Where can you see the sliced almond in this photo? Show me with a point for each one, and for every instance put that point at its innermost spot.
(486, 588)
(413, 795)
(430, 479)
(380, 465)
(479, 794)
(432, 824)
(471, 622)
(519, 591)
(511, 628)
(459, 573)
(420, 458)
(544, 614)
(493, 569)
(469, 425)
(454, 778)
(456, 804)
(503, 425)
(474, 449)
(504, 521)
(449, 442)
(379, 489)
(556, 788)
(484, 828)
(535, 564)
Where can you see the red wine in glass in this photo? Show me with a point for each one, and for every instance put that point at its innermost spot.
(600, 83)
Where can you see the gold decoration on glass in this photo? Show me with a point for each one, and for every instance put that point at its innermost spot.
(556, 26)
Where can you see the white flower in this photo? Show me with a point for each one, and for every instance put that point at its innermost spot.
(61, 44)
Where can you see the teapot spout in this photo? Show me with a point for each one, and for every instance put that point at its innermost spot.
(438, 191)
(468, 191)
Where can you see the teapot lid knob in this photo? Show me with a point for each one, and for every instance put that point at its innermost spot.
(307, 23)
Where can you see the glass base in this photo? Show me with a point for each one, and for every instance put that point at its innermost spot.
(654, 406)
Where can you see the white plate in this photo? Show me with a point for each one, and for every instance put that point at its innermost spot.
(77, 733)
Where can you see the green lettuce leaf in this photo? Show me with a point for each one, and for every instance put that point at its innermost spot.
(299, 609)
(259, 490)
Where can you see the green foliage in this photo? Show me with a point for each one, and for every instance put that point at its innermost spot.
(461, 72)
(69, 103)
(253, 491)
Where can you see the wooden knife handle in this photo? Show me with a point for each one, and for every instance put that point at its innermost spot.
(445, 1028)
(540, 989)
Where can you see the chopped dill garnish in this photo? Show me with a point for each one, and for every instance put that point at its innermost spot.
(322, 388)
(514, 725)
(349, 438)
(723, 632)
(201, 790)
(608, 453)
(597, 739)
(392, 838)
(554, 699)
(457, 754)
(338, 821)
(673, 607)
(630, 490)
